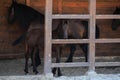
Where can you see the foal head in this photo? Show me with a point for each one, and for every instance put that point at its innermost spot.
(116, 22)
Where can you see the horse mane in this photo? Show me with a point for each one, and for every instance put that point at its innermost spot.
(26, 15)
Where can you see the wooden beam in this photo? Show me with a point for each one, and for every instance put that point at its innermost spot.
(71, 16)
(101, 64)
(48, 37)
(107, 40)
(69, 41)
(92, 24)
(108, 16)
(73, 64)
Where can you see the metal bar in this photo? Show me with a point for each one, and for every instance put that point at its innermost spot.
(75, 64)
(107, 16)
(92, 10)
(70, 16)
(68, 41)
(48, 27)
(101, 64)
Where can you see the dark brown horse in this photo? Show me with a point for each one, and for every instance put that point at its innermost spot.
(77, 29)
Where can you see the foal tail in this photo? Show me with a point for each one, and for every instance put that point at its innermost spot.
(19, 39)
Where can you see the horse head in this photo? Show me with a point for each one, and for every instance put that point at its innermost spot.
(12, 12)
(116, 22)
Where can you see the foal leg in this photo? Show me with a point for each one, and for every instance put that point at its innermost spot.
(33, 61)
(37, 58)
(26, 60)
(72, 50)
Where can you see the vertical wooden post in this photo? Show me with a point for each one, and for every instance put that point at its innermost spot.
(48, 37)
(92, 24)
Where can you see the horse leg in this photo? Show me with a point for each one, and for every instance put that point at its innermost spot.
(26, 59)
(72, 50)
(33, 61)
(84, 47)
(58, 60)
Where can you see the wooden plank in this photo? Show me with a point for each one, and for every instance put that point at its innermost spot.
(84, 16)
(101, 64)
(48, 37)
(68, 41)
(108, 40)
(70, 16)
(107, 16)
(92, 24)
(84, 64)
(77, 41)
(73, 64)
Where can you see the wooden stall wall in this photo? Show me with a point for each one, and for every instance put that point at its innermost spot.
(9, 33)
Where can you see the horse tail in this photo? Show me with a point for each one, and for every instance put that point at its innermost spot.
(19, 40)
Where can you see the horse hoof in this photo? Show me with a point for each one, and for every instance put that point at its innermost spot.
(36, 72)
(69, 61)
(59, 75)
(26, 71)
(54, 71)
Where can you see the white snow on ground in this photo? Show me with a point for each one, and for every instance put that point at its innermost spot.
(93, 77)
(13, 70)
(43, 77)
